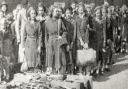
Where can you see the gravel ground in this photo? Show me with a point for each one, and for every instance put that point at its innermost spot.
(117, 78)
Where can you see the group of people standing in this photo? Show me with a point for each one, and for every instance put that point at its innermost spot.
(48, 38)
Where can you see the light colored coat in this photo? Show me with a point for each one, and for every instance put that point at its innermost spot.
(20, 22)
(19, 27)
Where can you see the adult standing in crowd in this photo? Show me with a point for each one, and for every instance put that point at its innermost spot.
(124, 27)
(92, 32)
(109, 36)
(32, 40)
(13, 28)
(41, 18)
(71, 37)
(98, 26)
(41, 12)
(74, 9)
(6, 38)
(106, 38)
(55, 40)
(20, 22)
(7, 34)
(83, 31)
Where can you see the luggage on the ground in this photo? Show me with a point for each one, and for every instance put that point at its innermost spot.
(76, 82)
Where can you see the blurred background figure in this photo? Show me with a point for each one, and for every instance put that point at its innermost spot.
(20, 23)
(41, 17)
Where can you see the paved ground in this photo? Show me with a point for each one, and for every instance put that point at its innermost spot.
(117, 78)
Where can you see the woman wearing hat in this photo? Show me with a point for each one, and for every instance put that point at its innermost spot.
(7, 34)
(4, 7)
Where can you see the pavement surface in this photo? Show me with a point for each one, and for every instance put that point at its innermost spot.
(117, 78)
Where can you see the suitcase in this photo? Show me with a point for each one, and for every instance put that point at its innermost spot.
(67, 85)
(86, 56)
(74, 82)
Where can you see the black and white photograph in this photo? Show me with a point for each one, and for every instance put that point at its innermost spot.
(63, 44)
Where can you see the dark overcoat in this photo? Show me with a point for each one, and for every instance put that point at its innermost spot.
(82, 31)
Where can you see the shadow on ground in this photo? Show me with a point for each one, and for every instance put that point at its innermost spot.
(115, 69)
